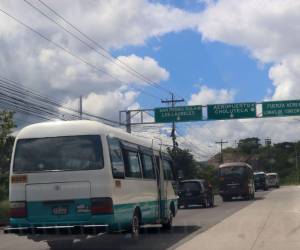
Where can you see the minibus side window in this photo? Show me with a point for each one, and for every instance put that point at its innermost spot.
(132, 164)
(116, 158)
(148, 166)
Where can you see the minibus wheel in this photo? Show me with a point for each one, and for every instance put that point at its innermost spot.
(60, 244)
(168, 224)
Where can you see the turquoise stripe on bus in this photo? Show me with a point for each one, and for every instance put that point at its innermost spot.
(121, 219)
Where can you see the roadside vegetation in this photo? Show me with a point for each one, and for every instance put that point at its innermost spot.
(188, 168)
(6, 144)
(282, 158)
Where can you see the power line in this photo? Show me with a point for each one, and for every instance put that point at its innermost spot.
(110, 57)
(193, 145)
(121, 64)
(27, 100)
(14, 86)
(221, 142)
(73, 54)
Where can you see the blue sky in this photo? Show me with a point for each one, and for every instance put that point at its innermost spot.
(192, 62)
(208, 51)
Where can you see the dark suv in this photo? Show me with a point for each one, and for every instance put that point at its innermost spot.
(261, 181)
(195, 192)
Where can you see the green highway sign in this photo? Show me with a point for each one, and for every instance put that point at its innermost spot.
(281, 108)
(231, 111)
(178, 114)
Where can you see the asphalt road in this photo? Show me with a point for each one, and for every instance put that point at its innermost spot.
(272, 223)
(187, 225)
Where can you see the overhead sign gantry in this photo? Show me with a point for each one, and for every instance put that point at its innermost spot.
(211, 112)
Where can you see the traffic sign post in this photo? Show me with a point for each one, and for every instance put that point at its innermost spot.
(281, 108)
(231, 111)
(178, 114)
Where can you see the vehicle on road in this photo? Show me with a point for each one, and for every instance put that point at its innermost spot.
(273, 180)
(84, 177)
(236, 180)
(195, 192)
(261, 181)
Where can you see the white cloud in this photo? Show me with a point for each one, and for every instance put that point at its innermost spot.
(27, 58)
(146, 66)
(202, 138)
(106, 105)
(285, 76)
(269, 30)
(208, 95)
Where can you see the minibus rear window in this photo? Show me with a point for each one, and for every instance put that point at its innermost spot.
(67, 153)
(272, 177)
(233, 170)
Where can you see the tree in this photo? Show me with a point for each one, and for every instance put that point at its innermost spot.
(183, 162)
(209, 173)
(6, 140)
(6, 145)
(249, 145)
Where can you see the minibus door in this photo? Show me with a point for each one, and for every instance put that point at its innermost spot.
(161, 188)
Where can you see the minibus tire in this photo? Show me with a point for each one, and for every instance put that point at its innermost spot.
(168, 225)
(60, 244)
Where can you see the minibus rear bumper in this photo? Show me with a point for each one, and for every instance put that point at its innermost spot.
(58, 230)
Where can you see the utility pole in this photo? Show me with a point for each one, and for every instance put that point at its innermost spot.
(221, 143)
(173, 101)
(80, 107)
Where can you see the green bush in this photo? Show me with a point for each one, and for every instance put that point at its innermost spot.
(4, 210)
(4, 185)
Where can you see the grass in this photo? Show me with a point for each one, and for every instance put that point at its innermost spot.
(4, 211)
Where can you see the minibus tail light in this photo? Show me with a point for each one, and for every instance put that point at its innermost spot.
(101, 206)
(18, 209)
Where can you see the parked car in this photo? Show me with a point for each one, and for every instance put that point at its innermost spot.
(195, 192)
(261, 181)
(236, 180)
(273, 180)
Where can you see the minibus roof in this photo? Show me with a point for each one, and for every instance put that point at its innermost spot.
(233, 164)
(259, 172)
(80, 127)
(272, 173)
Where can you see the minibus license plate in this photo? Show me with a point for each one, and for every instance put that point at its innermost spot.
(60, 210)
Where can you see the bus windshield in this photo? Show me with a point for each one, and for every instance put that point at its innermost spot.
(232, 170)
(58, 154)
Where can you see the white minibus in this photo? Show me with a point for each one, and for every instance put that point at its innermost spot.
(76, 178)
